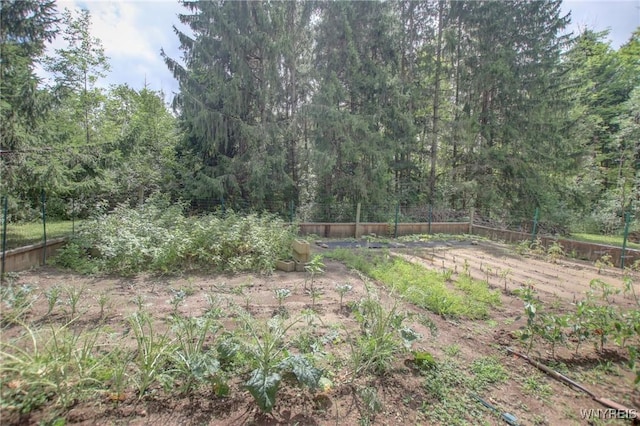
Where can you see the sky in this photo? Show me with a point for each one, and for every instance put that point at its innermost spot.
(133, 32)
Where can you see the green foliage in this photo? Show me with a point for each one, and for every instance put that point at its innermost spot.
(16, 302)
(192, 363)
(604, 262)
(429, 289)
(153, 352)
(266, 351)
(25, 30)
(487, 371)
(57, 367)
(381, 339)
(596, 319)
(314, 268)
(240, 115)
(555, 251)
(531, 309)
(343, 289)
(158, 237)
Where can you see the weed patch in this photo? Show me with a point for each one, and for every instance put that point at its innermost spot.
(466, 298)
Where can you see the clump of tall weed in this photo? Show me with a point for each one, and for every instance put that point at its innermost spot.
(158, 237)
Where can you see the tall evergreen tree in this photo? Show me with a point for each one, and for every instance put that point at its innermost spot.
(356, 103)
(25, 28)
(231, 98)
(513, 99)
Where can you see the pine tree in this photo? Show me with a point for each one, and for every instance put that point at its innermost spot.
(231, 100)
(355, 105)
(513, 100)
(25, 28)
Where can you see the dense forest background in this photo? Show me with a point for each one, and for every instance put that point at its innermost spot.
(453, 104)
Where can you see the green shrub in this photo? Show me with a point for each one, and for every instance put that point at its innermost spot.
(158, 237)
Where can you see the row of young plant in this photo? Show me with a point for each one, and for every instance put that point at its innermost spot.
(596, 320)
(555, 251)
(54, 365)
(438, 292)
(158, 237)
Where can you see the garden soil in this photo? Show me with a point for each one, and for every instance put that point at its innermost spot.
(403, 398)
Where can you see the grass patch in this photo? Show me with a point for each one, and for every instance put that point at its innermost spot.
(487, 371)
(24, 234)
(612, 240)
(466, 298)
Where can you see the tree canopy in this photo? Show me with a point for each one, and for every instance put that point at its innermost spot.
(450, 103)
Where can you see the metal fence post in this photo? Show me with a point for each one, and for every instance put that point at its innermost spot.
(395, 232)
(627, 221)
(43, 199)
(357, 219)
(73, 216)
(5, 202)
(430, 218)
(292, 206)
(472, 213)
(535, 225)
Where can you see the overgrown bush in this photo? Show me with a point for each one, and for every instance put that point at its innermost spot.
(158, 237)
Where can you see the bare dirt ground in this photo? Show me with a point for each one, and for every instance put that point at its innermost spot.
(402, 395)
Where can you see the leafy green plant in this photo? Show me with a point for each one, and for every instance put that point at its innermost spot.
(118, 361)
(281, 294)
(441, 380)
(74, 294)
(152, 351)
(629, 288)
(504, 274)
(534, 385)
(555, 251)
(103, 300)
(58, 368)
(267, 354)
(428, 289)
(579, 323)
(537, 247)
(423, 360)
(380, 341)
(214, 310)
(176, 300)
(138, 300)
(343, 289)
(601, 323)
(627, 326)
(531, 310)
(17, 301)
(604, 262)
(240, 291)
(487, 371)
(53, 296)
(314, 268)
(315, 295)
(371, 402)
(523, 247)
(606, 290)
(553, 330)
(192, 362)
(157, 236)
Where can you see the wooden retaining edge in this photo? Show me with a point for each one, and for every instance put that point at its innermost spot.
(583, 250)
(27, 257)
